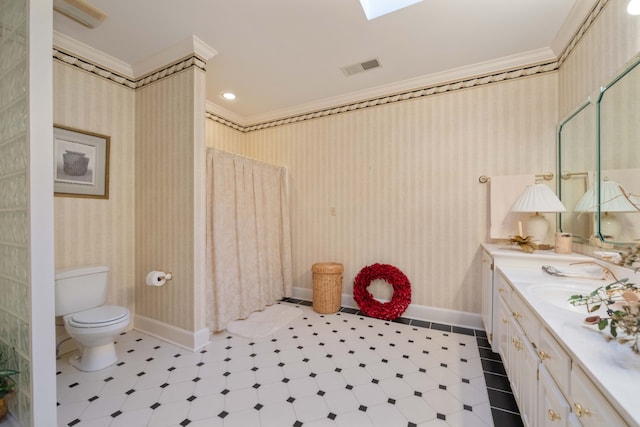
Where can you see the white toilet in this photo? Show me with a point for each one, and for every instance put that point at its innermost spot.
(80, 295)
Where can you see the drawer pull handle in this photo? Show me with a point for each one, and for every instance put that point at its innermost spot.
(517, 315)
(500, 289)
(517, 344)
(505, 321)
(543, 355)
(581, 410)
(553, 416)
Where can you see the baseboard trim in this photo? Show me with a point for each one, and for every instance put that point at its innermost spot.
(414, 311)
(188, 340)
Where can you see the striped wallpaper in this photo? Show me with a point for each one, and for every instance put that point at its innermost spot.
(97, 231)
(603, 50)
(169, 205)
(403, 181)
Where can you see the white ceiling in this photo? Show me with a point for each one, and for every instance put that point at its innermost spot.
(284, 56)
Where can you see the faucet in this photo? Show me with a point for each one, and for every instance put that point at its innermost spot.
(608, 273)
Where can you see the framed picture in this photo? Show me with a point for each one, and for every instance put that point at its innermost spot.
(80, 163)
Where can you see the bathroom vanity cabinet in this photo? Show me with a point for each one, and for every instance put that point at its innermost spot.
(493, 256)
(562, 372)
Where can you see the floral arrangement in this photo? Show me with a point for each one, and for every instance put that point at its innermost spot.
(622, 300)
(371, 307)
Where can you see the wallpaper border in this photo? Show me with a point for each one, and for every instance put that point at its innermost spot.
(437, 89)
(169, 70)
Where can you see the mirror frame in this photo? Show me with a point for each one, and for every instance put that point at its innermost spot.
(563, 175)
(628, 68)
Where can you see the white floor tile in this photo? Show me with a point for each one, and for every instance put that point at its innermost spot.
(310, 408)
(353, 418)
(241, 400)
(103, 407)
(206, 407)
(415, 409)
(141, 399)
(277, 414)
(249, 417)
(465, 418)
(170, 414)
(133, 418)
(385, 415)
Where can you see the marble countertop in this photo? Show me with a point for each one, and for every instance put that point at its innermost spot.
(613, 367)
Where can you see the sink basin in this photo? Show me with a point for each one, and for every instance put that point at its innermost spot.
(559, 294)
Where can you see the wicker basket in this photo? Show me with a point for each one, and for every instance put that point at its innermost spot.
(327, 287)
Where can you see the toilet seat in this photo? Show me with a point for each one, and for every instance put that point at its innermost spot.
(98, 317)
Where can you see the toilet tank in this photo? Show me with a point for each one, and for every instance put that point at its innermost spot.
(81, 288)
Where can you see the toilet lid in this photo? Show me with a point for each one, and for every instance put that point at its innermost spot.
(99, 316)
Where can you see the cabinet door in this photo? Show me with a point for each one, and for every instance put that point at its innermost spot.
(487, 294)
(553, 408)
(524, 374)
(503, 337)
(555, 359)
(589, 405)
(501, 291)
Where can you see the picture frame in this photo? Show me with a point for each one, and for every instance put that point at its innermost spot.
(80, 163)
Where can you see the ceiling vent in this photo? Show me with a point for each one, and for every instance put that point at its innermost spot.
(350, 70)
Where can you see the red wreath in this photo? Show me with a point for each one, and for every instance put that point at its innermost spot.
(371, 307)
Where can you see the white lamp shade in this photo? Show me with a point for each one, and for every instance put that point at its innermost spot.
(613, 199)
(538, 198)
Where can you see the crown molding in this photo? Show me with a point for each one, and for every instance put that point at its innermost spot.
(185, 48)
(506, 63)
(576, 18)
(223, 113)
(91, 54)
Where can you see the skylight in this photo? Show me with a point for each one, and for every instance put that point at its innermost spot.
(376, 8)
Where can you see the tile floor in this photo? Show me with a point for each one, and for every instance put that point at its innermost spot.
(342, 369)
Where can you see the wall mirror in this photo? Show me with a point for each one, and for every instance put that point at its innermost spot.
(577, 164)
(618, 113)
(599, 164)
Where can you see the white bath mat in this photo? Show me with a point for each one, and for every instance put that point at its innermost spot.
(263, 323)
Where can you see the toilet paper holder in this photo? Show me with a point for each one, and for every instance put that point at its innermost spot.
(158, 278)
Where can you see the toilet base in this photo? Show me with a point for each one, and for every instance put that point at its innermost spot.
(95, 358)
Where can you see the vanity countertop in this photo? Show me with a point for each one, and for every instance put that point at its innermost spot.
(614, 368)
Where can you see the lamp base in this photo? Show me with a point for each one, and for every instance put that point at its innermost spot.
(609, 226)
(537, 227)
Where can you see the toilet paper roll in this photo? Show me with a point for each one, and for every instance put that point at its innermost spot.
(156, 278)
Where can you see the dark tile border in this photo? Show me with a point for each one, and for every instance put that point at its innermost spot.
(504, 408)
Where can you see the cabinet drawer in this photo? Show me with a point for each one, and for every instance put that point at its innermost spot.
(504, 289)
(554, 358)
(589, 406)
(529, 322)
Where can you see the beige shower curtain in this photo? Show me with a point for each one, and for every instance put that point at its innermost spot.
(248, 237)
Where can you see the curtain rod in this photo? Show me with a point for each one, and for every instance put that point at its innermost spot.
(547, 176)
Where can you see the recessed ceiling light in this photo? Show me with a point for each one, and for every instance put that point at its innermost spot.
(228, 96)
(634, 7)
(376, 8)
